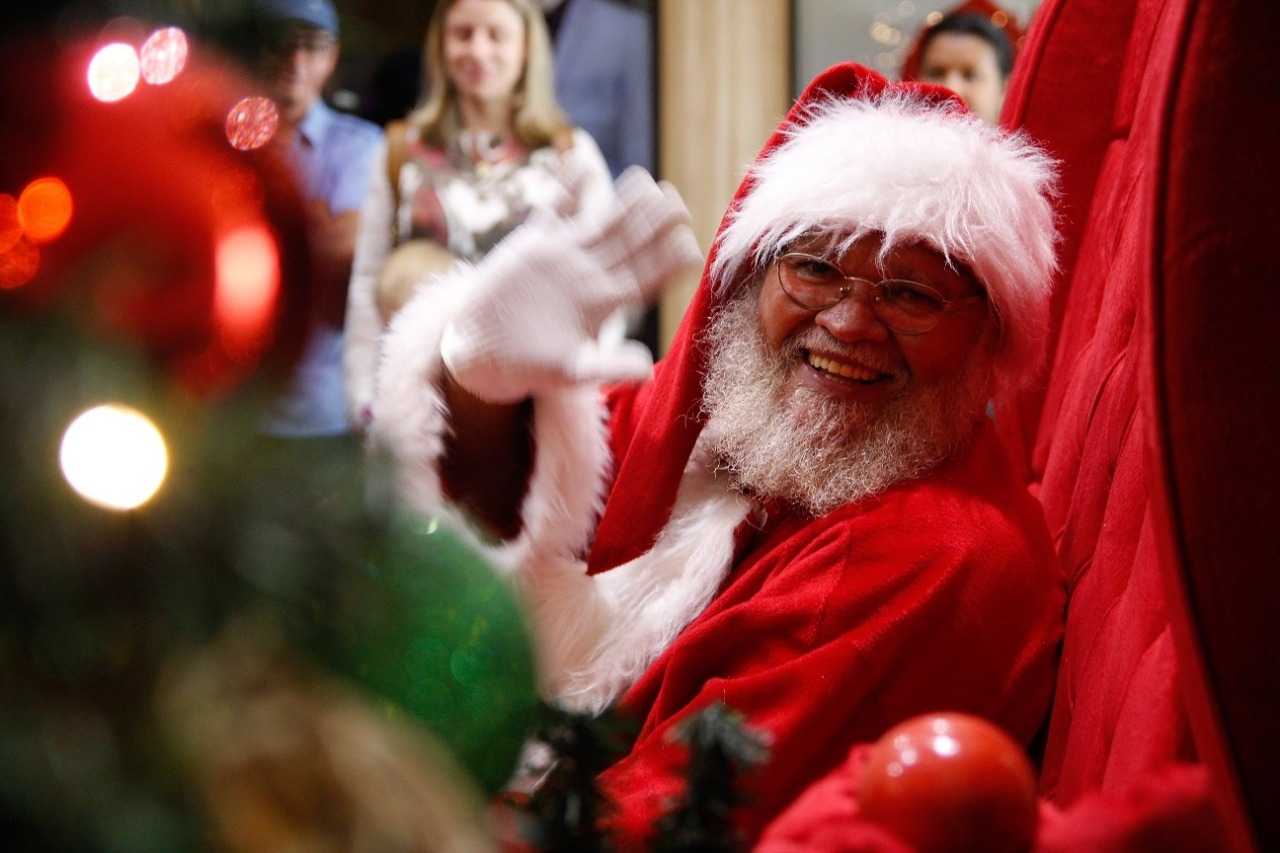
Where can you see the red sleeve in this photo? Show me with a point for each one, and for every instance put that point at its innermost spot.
(826, 818)
(625, 401)
(1168, 810)
(827, 638)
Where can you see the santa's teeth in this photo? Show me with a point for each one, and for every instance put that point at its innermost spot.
(848, 371)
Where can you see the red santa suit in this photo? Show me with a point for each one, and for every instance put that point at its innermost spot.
(654, 583)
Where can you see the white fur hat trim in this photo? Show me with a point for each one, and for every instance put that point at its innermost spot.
(912, 170)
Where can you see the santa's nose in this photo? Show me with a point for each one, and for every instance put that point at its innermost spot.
(853, 318)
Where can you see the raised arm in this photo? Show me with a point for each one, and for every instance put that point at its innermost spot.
(471, 360)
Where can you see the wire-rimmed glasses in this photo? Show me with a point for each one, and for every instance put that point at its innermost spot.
(907, 307)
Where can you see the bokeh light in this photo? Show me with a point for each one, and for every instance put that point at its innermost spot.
(113, 72)
(10, 227)
(19, 265)
(44, 209)
(247, 283)
(885, 33)
(114, 457)
(252, 122)
(163, 55)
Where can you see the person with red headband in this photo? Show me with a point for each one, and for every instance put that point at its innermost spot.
(803, 511)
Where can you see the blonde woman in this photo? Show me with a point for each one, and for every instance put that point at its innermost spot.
(487, 146)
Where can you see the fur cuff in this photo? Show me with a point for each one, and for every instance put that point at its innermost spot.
(572, 463)
(597, 634)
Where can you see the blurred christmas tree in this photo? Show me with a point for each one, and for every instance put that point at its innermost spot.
(208, 637)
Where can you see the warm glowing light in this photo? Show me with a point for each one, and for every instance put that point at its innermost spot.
(885, 34)
(114, 456)
(113, 72)
(10, 227)
(19, 265)
(248, 279)
(44, 209)
(999, 18)
(163, 55)
(932, 18)
(252, 122)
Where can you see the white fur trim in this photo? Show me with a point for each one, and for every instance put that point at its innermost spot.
(912, 170)
(597, 635)
(572, 463)
(410, 417)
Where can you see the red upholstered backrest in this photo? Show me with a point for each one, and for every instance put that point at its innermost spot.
(1118, 674)
(1169, 253)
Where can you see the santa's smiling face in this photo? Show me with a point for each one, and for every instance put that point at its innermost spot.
(850, 351)
(822, 407)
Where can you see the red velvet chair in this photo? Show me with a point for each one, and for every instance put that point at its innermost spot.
(1150, 448)
(1150, 444)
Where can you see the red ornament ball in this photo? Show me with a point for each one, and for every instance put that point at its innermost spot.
(140, 223)
(951, 782)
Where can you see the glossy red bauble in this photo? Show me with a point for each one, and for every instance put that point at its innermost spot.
(951, 782)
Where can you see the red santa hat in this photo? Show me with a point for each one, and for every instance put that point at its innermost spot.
(856, 154)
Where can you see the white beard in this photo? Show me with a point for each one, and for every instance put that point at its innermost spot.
(780, 440)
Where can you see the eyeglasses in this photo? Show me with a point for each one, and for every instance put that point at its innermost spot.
(906, 307)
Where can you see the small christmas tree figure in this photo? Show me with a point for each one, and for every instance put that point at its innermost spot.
(568, 805)
(721, 746)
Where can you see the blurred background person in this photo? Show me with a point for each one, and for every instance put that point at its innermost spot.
(604, 75)
(333, 153)
(969, 54)
(488, 145)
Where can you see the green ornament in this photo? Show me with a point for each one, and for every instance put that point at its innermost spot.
(431, 628)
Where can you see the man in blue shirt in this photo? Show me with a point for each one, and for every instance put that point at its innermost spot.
(334, 153)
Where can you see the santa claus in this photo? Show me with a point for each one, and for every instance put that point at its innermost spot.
(803, 510)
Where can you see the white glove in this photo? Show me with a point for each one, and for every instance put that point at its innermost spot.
(531, 320)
